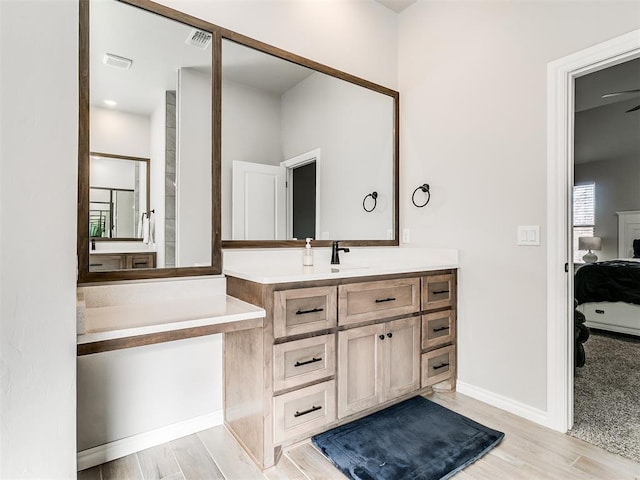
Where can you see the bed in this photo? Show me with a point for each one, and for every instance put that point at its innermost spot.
(608, 293)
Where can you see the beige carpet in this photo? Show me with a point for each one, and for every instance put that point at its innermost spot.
(607, 394)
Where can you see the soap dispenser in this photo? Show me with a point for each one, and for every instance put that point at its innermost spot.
(307, 256)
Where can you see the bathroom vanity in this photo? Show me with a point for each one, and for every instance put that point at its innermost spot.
(109, 261)
(335, 346)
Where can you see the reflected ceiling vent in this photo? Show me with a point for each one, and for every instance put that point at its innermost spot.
(116, 61)
(198, 38)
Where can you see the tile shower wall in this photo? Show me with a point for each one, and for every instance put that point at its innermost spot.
(170, 182)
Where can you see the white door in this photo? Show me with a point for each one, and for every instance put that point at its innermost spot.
(259, 200)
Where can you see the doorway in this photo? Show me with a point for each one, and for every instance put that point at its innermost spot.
(560, 133)
(303, 195)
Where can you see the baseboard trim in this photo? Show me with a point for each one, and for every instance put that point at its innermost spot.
(507, 404)
(126, 446)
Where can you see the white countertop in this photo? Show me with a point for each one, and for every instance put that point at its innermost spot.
(121, 321)
(281, 267)
(107, 251)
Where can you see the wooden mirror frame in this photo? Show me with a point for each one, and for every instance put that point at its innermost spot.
(305, 62)
(146, 161)
(84, 275)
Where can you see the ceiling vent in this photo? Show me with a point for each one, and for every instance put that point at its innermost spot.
(198, 38)
(116, 61)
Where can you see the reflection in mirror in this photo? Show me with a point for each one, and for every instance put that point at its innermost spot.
(118, 197)
(150, 98)
(300, 150)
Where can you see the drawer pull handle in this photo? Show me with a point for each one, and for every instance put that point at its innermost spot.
(439, 292)
(304, 412)
(95, 264)
(440, 329)
(313, 360)
(313, 310)
(390, 299)
(442, 365)
(381, 337)
(601, 312)
(390, 334)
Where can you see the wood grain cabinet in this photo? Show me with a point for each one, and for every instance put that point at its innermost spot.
(439, 325)
(334, 350)
(106, 262)
(377, 363)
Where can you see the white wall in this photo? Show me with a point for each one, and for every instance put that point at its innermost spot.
(193, 169)
(353, 128)
(119, 133)
(251, 132)
(617, 189)
(112, 173)
(157, 129)
(38, 120)
(358, 37)
(128, 392)
(472, 77)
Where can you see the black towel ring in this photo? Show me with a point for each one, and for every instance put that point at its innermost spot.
(373, 195)
(425, 189)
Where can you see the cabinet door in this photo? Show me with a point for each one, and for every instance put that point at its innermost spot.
(359, 368)
(402, 349)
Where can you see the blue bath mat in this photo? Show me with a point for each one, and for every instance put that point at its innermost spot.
(415, 439)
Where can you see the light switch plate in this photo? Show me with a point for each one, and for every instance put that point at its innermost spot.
(529, 235)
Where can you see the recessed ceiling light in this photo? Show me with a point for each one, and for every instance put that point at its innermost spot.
(116, 61)
(111, 103)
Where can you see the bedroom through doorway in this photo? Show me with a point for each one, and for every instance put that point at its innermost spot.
(605, 249)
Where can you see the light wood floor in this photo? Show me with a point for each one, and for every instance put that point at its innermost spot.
(528, 451)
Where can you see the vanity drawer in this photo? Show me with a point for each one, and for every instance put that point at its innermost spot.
(437, 291)
(302, 411)
(438, 328)
(142, 260)
(438, 365)
(359, 302)
(303, 310)
(303, 361)
(99, 262)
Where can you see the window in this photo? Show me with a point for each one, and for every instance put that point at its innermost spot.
(584, 215)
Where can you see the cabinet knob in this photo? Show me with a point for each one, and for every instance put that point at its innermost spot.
(381, 337)
(390, 334)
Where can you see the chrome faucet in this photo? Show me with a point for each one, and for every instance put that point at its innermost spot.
(335, 249)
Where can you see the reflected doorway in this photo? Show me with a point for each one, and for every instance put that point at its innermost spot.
(303, 202)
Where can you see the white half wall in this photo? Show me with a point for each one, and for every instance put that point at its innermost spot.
(472, 78)
(129, 392)
(38, 178)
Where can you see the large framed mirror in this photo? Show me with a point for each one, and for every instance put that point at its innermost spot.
(149, 201)
(307, 151)
(216, 113)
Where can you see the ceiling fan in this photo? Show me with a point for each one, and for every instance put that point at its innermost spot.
(624, 92)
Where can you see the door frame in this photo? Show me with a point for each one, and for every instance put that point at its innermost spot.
(561, 74)
(289, 165)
